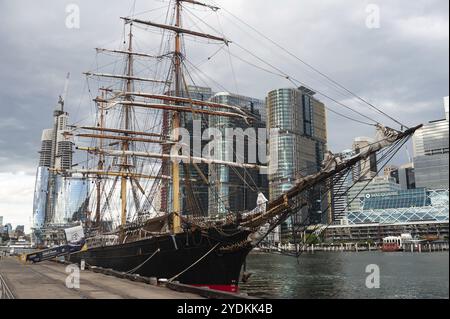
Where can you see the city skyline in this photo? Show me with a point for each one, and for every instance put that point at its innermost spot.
(24, 118)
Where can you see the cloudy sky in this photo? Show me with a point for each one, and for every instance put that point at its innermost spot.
(399, 64)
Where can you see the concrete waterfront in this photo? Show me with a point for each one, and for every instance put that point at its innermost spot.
(47, 280)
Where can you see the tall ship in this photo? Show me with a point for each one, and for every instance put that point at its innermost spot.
(145, 213)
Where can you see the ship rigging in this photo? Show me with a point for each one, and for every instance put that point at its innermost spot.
(170, 235)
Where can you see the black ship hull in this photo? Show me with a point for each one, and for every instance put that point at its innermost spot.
(202, 258)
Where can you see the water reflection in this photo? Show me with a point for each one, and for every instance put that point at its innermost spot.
(343, 275)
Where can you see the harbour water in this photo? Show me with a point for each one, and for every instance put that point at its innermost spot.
(342, 275)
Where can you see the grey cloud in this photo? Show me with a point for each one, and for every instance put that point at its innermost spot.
(402, 67)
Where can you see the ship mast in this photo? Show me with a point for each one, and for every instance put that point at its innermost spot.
(126, 143)
(176, 124)
(101, 159)
(172, 102)
(177, 108)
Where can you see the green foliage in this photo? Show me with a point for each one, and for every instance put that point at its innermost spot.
(312, 239)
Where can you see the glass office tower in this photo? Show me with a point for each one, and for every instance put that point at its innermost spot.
(236, 189)
(301, 142)
(431, 150)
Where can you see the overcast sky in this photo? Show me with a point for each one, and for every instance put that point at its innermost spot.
(401, 66)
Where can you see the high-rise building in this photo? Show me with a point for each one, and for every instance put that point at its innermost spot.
(45, 159)
(365, 169)
(1, 221)
(340, 186)
(40, 197)
(61, 159)
(299, 147)
(8, 229)
(229, 189)
(431, 155)
(236, 189)
(42, 179)
(64, 145)
(200, 191)
(407, 176)
(72, 195)
(51, 189)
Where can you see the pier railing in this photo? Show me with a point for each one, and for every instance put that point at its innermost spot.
(5, 292)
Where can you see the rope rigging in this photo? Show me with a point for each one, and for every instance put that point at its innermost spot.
(310, 66)
(386, 158)
(193, 204)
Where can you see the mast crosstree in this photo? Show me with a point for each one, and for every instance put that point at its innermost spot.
(174, 103)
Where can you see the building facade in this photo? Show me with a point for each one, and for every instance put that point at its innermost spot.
(300, 120)
(431, 155)
(365, 169)
(55, 199)
(340, 186)
(403, 206)
(419, 212)
(407, 176)
(200, 191)
(236, 189)
(376, 232)
(72, 196)
(364, 189)
(229, 189)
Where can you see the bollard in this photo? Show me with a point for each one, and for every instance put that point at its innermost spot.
(153, 281)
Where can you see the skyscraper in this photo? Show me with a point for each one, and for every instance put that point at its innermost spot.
(42, 180)
(236, 189)
(229, 189)
(45, 159)
(200, 191)
(431, 154)
(365, 169)
(407, 176)
(53, 194)
(300, 120)
(340, 186)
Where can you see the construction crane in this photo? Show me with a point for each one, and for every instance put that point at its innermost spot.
(62, 98)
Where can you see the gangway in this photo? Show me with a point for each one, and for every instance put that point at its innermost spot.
(74, 242)
(51, 253)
